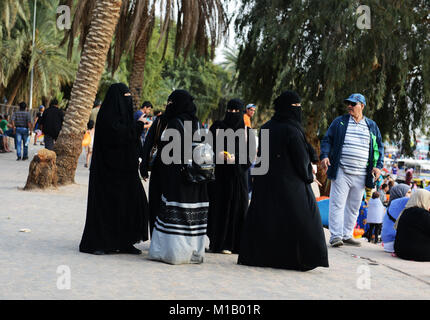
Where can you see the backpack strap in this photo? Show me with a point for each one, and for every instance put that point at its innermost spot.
(390, 216)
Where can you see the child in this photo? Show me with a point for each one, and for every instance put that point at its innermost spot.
(375, 214)
(89, 148)
(5, 132)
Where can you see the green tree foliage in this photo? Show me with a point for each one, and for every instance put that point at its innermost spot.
(316, 48)
(51, 68)
(200, 78)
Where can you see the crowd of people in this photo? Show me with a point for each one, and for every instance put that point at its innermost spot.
(20, 126)
(269, 220)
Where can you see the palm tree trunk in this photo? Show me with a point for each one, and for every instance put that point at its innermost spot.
(69, 144)
(137, 72)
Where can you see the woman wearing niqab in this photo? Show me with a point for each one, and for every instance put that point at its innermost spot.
(283, 226)
(117, 209)
(228, 194)
(180, 225)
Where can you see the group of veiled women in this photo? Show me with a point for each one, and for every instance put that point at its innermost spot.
(281, 228)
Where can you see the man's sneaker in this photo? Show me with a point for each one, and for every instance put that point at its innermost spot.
(352, 242)
(337, 242)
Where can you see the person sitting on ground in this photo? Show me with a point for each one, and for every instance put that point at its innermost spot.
(375, 214)
(399, 196)
(413, 228)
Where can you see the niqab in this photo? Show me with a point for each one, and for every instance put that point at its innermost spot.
(286, 112)
(234, 120)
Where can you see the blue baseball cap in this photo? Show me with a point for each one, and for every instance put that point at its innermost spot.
(251, 106)
(356, 97)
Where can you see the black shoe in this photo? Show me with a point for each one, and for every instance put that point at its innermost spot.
(130, 250)
(98, 252)
(336, 242)
(24, 158)
(352, 242)
(19, 158)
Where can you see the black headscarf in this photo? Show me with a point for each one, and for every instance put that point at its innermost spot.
(116, 139)
(182, 105)
(234, 120)
(286, 112)
(284, 109)
(116, 105)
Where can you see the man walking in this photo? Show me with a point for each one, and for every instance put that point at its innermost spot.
(95, 111)
(52, 121)
(144, 111)
(21, 124)
(352, 154)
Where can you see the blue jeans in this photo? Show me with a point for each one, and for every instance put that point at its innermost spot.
(22, 136)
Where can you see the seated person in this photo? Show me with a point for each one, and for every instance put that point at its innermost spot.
(399, 196)
(413, 228)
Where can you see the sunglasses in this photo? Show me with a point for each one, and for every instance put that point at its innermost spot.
(351, 103)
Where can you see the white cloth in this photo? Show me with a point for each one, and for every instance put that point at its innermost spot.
(389, 246)
(375, 211)
(346, 194)
(176, 241)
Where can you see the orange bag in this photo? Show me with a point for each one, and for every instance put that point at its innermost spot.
(87, 139)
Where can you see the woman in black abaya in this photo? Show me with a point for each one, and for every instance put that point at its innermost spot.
(117, 209)
(283, 226)
(228, 194)
(178, 236)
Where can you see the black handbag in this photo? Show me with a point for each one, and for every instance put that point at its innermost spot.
(203, 170)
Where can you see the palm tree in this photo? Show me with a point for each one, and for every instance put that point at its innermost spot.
(68, 147)
(200, 24)
(51, 68)
(10, 10)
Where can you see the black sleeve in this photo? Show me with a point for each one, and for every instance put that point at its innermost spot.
(252, 146)
(299, 152)
(147, 147)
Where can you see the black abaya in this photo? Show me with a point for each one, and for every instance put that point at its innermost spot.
(117, 209)
(283, 226)
(228, 199)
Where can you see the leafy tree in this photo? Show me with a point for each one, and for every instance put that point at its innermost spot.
(316, 48)
(199, 26)
(51, 68)
(200, 78)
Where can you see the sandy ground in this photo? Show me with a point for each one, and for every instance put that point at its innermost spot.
(45, 263)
